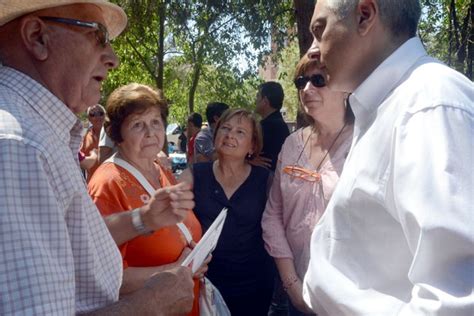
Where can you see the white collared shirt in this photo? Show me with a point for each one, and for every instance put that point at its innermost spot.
(397, 237)
(56, 254)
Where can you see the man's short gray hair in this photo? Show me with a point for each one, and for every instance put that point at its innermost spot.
(400, 16)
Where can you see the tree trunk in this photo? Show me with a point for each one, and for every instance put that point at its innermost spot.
(198, 61)
(161, 39)
(470, 45)
(303, 14)
(450, 36)
(194, 85)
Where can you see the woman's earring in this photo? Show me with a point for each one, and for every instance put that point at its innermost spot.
(249, 156)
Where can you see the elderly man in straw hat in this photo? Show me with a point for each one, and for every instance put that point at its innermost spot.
(57, 256)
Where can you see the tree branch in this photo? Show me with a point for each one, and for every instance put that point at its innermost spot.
(142, 59)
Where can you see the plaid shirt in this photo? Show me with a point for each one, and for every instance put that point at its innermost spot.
(56, 254)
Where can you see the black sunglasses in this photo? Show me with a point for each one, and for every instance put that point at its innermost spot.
(101, 32)
(96, 114)
(316, 80)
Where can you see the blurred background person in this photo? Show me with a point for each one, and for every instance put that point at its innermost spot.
(183, 140)
(204, 140)
(138, 116)
(106, 145)
(90, 142)
(307, 172)
(193, 127)
(86, 162)
(269, 102)
(241, 268)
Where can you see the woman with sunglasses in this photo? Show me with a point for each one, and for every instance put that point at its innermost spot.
(308, 168)
(90, 142)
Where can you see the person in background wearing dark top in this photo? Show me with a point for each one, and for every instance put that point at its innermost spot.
(193, 127)
(240, 268)
(90, 141)
(204, 141)
(269, 101)
(183, 140)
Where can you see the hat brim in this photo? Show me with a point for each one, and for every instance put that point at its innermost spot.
(114, 17)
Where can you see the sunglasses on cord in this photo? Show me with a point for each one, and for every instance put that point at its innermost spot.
(96, 114)
(316, 80)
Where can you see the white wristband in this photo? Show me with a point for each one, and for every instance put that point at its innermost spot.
(138, 223)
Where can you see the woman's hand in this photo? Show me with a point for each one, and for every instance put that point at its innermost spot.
(295, 293)
(200, 273)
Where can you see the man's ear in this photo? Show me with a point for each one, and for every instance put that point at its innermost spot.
(266, 101)
(367, 11)
(35, 37)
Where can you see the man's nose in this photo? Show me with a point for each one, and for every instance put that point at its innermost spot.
(314, 52)
(110, 58)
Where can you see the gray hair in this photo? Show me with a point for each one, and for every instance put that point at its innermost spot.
(400, 16)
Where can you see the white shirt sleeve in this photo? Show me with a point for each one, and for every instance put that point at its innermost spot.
(433, 195)
(104, 139)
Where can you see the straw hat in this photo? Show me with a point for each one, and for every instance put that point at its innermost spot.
(114, 16)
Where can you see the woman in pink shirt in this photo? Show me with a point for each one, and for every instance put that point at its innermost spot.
(308, 168)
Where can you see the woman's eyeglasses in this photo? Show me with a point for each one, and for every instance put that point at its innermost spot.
(96, 114)
(101, 32)
(302, 173)
(316, 80)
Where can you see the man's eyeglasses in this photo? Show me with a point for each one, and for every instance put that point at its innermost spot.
(96, 114)
(101, 32)
(316, 80)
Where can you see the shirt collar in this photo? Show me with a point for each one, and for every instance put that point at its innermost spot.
(370, 94)
(53, 111)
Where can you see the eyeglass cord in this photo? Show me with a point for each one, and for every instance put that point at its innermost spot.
(329, 149)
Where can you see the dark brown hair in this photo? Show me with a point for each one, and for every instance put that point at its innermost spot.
(131, 99)
(256, 129)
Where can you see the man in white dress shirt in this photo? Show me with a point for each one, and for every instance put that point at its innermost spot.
(397, 237)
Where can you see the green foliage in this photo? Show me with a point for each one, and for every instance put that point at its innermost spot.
(446, 35)
(288, 58)
(209, 50)
(207, 46)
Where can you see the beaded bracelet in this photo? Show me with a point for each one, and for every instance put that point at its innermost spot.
(289, 282)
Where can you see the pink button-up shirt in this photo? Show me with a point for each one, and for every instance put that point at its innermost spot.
(295, 205)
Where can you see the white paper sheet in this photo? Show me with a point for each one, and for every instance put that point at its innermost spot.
(207, 243)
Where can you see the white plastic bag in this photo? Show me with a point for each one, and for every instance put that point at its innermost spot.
(211, 302)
